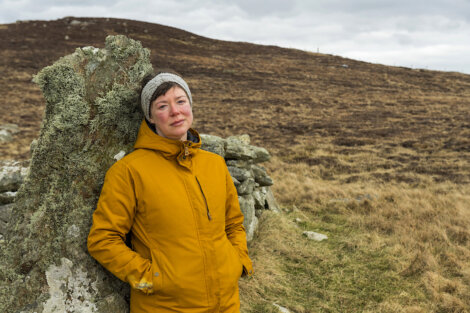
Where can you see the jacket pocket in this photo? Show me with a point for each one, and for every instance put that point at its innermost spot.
(157, 277)
(235, 261)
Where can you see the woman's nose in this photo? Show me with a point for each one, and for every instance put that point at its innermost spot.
(174, 109)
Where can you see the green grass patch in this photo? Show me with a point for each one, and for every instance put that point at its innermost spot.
(349, 272)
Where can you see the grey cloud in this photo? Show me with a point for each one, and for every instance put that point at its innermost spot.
(390, 32)
(257, 8)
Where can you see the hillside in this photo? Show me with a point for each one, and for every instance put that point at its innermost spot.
(377, 157)
(281, 97)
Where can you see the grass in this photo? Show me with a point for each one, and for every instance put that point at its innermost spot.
(393, 246)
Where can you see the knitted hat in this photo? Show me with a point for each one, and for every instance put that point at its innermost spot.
(153, 84)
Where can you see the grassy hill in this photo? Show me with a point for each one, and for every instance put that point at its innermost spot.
(375, 157)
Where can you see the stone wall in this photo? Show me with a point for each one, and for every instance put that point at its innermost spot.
(251, 180)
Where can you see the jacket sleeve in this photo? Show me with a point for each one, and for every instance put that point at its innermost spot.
(112, 220)
(234, 225)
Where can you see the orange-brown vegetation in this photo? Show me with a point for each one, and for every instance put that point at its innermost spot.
(376, 157)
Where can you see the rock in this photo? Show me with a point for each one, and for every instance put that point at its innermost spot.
(79, 23)
(239, 173)
(281, 309)
(235, 181)
(5, 136)
(92, 112)
(213, 144)
(119, 155)
(246, 187)
(261, 154)
(12, 174)
(260, 198)
(271, 202)
(314, 236)
(7, 197)
(247, 205)
(7, 131)
(245, 164)
(261, 176)
(236, 148)
(244, 139)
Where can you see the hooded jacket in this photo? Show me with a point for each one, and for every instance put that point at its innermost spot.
(181, 208)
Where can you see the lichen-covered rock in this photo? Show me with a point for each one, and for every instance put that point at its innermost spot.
(259, 195)
(271, 202)
(315, 236)
(238, 148)
(213, 144)
(7, 131)
(247, 205)
(12, 174)
(92, 113)
(244, 138)
(7, 197)
(239, 173)
(261, 177)
(235, 181)
(245, 164)
(247, 187)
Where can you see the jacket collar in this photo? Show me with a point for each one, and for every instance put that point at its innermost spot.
(182, 151)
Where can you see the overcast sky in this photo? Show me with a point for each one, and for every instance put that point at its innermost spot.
(429, 34)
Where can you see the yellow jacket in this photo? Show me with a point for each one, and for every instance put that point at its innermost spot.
(188, 242)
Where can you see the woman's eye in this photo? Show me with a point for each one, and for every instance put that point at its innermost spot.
(182, 101)
(163, 106)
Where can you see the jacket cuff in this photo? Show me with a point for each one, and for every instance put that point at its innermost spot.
(247, 268)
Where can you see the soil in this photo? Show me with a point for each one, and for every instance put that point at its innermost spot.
(283, 98)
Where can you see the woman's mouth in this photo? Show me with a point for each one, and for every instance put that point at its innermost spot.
(177, 123)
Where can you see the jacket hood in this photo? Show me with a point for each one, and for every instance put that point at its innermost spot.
(183, 151)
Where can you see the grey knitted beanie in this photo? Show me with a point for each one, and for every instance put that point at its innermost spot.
(153, 84)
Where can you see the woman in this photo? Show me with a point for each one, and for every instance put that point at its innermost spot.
(181, 207)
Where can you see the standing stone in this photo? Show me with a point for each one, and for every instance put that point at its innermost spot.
(92, 113)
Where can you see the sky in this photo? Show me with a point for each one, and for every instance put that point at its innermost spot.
(425, 34)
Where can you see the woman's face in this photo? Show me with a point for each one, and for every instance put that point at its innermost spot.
(172, 115)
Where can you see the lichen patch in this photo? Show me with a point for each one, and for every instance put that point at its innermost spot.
(69, 289)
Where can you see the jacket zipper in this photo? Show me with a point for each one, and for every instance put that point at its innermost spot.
(205, 200)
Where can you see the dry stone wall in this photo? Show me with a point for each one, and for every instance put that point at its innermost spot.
(92, 114)
(251, 180)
